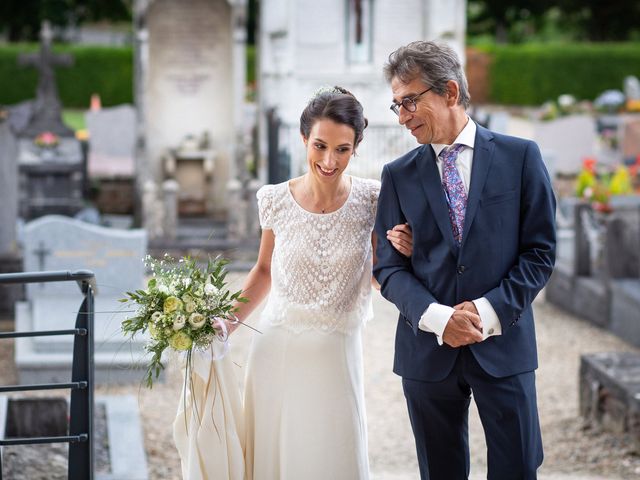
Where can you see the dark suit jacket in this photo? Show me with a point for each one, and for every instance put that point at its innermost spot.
(507, 252)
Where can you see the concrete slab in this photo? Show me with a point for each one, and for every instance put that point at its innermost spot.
(126, 446)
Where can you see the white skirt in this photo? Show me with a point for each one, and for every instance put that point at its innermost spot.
(304, 406)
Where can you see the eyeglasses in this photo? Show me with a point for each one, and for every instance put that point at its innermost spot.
(409, 103)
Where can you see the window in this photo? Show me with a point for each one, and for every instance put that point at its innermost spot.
(359, 31)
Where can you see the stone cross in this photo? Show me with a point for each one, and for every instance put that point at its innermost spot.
(42, 254)
(47, 110)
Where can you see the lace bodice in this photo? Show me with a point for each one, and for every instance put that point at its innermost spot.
(321, 264)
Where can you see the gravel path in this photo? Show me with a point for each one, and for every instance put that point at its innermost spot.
(572, 452)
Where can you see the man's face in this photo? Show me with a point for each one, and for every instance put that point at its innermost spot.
(428, 123)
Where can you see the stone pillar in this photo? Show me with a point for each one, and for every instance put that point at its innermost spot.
(8, 187)
(237, 214)
(582, 250)
(152, 210)
(10, 259)
(170, 202)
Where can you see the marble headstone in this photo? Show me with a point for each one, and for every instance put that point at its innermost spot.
(10, 260)
(569, 140)
(112, 137)
(188, 88)
(8, 187)
(631, 138)
(115, 256)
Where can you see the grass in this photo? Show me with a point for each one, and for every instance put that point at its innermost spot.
(74, 119)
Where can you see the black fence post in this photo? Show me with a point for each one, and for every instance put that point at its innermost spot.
(81, 454)
(80, 438)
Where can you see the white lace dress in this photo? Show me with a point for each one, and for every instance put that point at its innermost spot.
(304, 397)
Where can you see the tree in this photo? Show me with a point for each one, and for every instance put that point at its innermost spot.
(20, 20)
(500, 16)
(603, 20)
(518, 20)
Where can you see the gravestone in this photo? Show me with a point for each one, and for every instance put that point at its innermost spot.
(190, 80)
(10, 260)
(8, 187)
(115, 256)
(51, 176)
(610, 391)
(47, 110)
(111, 164)
(112, 137)
(630, 144)
(632, 88)
(569, 139)
(499, 121)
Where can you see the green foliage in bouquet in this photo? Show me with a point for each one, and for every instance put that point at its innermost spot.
(182, 308)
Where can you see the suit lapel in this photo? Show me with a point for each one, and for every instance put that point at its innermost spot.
(482, 157)
(432, 186)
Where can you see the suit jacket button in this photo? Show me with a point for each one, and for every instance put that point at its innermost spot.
(461, 269)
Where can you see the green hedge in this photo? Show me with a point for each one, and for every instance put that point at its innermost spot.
(107, 71)
(251, 64)
(527, 74)
(531, 74)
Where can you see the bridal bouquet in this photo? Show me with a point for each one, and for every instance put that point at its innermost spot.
(184, 307)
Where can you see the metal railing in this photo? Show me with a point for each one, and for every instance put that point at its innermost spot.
(80, 438)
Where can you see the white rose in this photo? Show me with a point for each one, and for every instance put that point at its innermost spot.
(210, 289)
(155, 316)
(197, 320)
(179, 322)
(162, 288)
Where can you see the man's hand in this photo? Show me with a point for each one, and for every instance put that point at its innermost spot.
(467, 306)
(401, 237)
(464, 328)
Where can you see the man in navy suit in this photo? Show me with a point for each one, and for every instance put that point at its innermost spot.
(482, 211)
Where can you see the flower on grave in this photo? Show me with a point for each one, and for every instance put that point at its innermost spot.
(597, 186)
(47, 140)
(174, 309)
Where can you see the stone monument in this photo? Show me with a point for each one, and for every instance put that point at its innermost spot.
(50, 159)
(47, 109)
(54, 242)
(190, 80)
(10, 260)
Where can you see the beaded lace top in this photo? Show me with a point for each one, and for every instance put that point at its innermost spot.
(321, 264)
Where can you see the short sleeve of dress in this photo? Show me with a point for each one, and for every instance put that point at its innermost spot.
(374, 191)
(265, 206)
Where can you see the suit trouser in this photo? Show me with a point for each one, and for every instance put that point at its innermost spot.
(439, 417)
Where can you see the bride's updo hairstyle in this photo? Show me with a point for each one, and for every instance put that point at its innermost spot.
(336, 104)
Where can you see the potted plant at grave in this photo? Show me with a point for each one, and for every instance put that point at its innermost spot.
(597, 188)
(594, 187)
(47, 143)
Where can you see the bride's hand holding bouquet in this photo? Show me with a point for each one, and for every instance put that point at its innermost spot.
(184, 308)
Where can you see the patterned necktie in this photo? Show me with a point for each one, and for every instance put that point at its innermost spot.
(454, 189)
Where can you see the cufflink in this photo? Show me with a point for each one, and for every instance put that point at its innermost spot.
(490, 332)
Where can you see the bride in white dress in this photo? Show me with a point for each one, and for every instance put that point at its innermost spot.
(304, 400)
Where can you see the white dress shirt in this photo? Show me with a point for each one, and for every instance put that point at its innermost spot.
(436, 317)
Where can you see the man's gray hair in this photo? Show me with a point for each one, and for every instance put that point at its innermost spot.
(434, 62)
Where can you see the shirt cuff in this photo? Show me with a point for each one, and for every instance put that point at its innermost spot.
(490, 322)
(435, 319)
